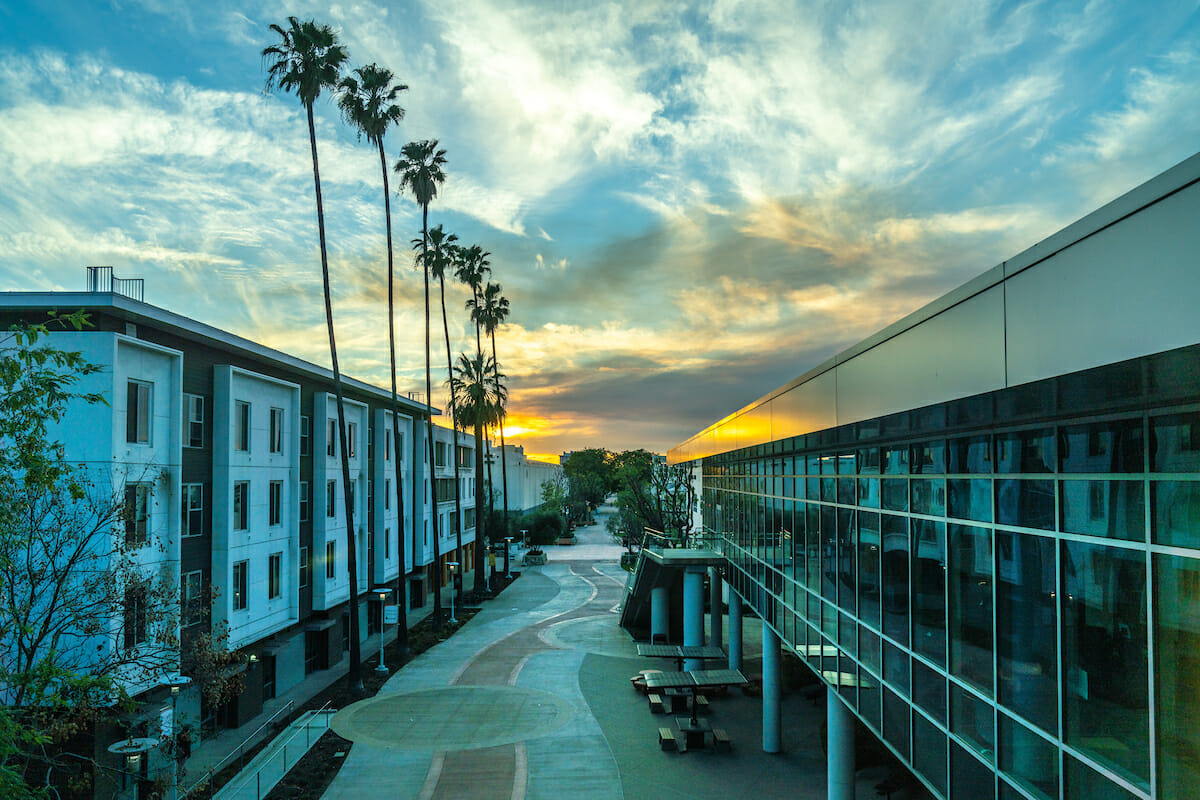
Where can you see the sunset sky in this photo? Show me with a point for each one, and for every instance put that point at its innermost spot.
(687, 204)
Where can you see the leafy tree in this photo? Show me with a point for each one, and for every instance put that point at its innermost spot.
(420, 170)
(591, 475)
(306, 61)
(478, 395)
(368, 102)
(441, 254)
(654, 494)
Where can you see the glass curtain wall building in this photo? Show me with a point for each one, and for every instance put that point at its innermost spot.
(1004, 585)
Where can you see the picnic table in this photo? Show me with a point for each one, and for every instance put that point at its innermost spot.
(702, 652)
(694, 680)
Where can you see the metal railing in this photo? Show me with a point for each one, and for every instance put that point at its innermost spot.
(239, 752)
(101, 279)
(286, 765)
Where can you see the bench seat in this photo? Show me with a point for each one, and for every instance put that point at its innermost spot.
(666, 738)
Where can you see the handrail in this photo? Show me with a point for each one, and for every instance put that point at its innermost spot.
(308, 744)
(239, 750)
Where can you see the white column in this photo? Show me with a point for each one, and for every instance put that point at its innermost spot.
(660, 613)
(770, 689)
(840, 764)
(735, 630)
(693, 612)
(714, 606)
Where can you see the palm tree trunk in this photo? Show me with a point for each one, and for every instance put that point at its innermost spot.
(355, 667)
(503, 463)
(401, 600)
(480, 550)
(437, 550)
(458, 527)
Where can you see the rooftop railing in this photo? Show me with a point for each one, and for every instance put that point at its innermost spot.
(101, 279)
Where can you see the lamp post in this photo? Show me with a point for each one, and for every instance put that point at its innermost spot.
(177, 683)
(131, 751)
(453, 567)
(381, 592)
(507, 545)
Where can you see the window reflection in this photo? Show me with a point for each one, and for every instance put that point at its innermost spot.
(970, 455)
(972, 719)
(1175, 443)
(970, 499)
(1114, 446)
(1028, 758)
(970, 607)
(1025, 451)
(928, 589)
(895, 577)
(1105, 661)
(1176, 518)
(1028, 503)
(869, 567)
(1025, 627)
(929, 752)
(1177, 675)
(1111, 509)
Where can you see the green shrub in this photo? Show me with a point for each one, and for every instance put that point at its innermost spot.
(544, 526)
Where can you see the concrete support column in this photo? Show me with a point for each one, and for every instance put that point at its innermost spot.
(660, 614)
(770, 689)
(840, 764)
(693, 613)
(715, 615)
(735, 630)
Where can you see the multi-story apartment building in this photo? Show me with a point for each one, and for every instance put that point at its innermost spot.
(980, 527)
(226, 454)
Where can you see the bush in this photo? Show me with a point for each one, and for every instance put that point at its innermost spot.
(544, 526)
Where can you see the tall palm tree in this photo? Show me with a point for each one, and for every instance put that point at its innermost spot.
(442, 254)
(420, 170)
(495, 311)
(477, 396)
(368, 102)
(306, 60)
(474, 272)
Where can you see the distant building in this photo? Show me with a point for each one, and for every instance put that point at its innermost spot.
(525, 478)
(980, 527)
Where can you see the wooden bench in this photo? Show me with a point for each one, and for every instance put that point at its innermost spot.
(656, 703)
(666, 738)
(721, 740)
(701, 702)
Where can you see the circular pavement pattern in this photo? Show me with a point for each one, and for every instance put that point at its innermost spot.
(599, 634)
(455, 718)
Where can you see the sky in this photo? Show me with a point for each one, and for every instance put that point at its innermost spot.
(686, 204)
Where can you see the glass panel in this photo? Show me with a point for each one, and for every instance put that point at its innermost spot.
(1176, 513)
(869, 698)
(929, 752)
(1025, 451)
(929, 589)
(848, 634)
(812, 537)
(868, 461)
(971, 718)
(1081, 782)
(868, 492)
(1106, 698)
(929, 496)
(829, 490)
(970, 455)
(970, 498)
(895, 577)
(868, 650)
(828, 465)
(896, 668)
(1112, 509)
(847, 680)
(1103, 447)
(1175, 443)
(845, 464)
(929, 690)
(928, 458)
(1029, 504)
(845, 491)
(1027, 653)
(829, 564)
(1029, 758)
(869, 564)
(847, 544)
(895, 494)
(968, 777)
(970, 606)
(895, 721)
(895, 460)
(1177, 675)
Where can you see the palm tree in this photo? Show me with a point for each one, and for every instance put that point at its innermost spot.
(473, 271)
(307, 60)
(478, 396)
(441, 254)
(495, 311)
(368, 103)
(420, 170)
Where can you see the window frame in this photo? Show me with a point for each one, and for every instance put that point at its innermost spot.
(139, 411)
(190, 492)
(331, 561)
(275, 576)
(305, 435)
(305, 567)
(135, 628)
(189, 597)
(275, 504)
(240, 585)
(351, 439)
(331, 498)
(193, 426)
(275, 443)
(241, 505)
(305, 502)
(137, 520)
(241, 426)
(331, 435)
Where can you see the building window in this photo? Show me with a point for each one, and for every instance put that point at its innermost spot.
(331, 435)
(352, 439)
(193, 407)
(370, 442)
(305, 436)
(387, 445)
(193, 509)
(191, 602)
(241, 505)
(469, 518)
(304, 501)
(331, 499)
(439, 454)
(387, 494)
(241, 592)
(138, 411)
(276, 503)
(305, 567)
(241, 423)
(370, 494)
(275, 576)
(351, 486)
(276, 430)
(137, 513)
(330, 555)
(387, 542)
(135, 616)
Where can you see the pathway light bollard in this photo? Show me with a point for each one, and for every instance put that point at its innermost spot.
(177, 683)
(382, 593)
(453, 567)
(507, 544)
